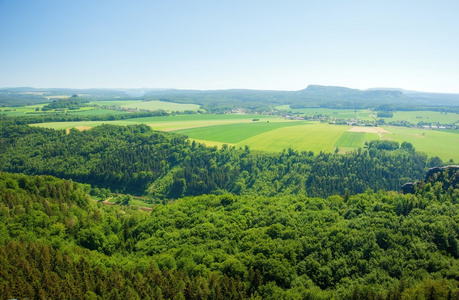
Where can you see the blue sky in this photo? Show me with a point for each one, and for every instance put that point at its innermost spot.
(278, 45)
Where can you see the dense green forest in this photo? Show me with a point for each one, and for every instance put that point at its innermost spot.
(18, 96)
(65, 117)
(57, 243)
(72, 103)
(312, 96)
(228, 223)
(136, 159)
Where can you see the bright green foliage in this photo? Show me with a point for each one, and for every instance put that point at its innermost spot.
(134, 158)
(352, 139)
(233, 133)
(372, 245)
(64, 104)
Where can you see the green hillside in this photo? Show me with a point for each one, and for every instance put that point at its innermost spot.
(55, 242)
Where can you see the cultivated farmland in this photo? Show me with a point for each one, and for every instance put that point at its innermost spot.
(276, 134)
(441, 143)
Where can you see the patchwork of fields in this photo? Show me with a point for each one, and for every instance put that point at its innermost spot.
(441, 143)
(93, 110)
(276, 134)
(413, 117)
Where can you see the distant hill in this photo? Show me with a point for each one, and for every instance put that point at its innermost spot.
(312, 96)
(19, 96)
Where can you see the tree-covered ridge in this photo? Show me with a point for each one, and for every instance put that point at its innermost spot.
(225, 100)
(64, 117)
(382, 245)
(62, 104)
(47, 226)
(136, 158)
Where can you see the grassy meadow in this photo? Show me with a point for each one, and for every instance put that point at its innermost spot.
(234, 133)
(277, 136)
(362, 114)
(441, 143)
(170, 123)
(20, 110)
(425, 116)
(413, 117)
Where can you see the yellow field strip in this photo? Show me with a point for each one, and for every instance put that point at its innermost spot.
(170, 126)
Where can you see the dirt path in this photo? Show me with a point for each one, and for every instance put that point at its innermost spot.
(378, 130)
(106, 202)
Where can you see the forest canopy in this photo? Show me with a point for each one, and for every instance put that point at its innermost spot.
(57, 243)
(225, 223)
(136, 159)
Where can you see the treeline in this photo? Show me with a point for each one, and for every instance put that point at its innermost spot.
(64, 117)
(70, 103)
(135, 158)
(56, 243)
(11, 97)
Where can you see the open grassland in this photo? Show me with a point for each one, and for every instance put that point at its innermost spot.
(444, 144)
(310, 137)
(362, 114)
(234, 133)
(181, 122)
(168, 123)
(206, 117)
(69, 125)
(148, 105)
(351, 139)
(20, 110)
(277, 136)
(95, 112)
(425, 116)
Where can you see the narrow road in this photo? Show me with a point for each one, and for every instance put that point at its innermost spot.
(106, 202)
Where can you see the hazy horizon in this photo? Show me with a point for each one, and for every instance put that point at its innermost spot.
(207, 45)
(223, 89)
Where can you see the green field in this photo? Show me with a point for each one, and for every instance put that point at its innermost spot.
(149, 105)
(444, 144)
(362, 114)
(425, 116)
(96, 112)
(310, 137)
(279, 134)
(20, 110)
(169, 123)
(352, 139)
(234, 133)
